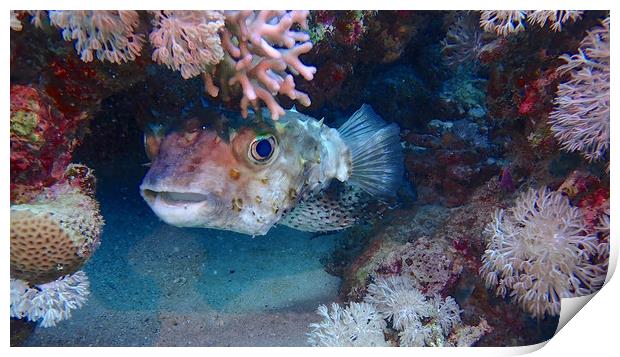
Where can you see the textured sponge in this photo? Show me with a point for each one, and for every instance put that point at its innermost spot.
(53, 235)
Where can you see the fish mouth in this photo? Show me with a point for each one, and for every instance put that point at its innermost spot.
(174, 198)
(195, 209)
(181, 208)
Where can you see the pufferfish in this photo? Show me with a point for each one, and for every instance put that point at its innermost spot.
(220, 171)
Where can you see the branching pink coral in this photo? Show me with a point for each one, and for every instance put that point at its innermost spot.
(108, 33)
(580, 120)
(261, 47)
(187, 41)
(538, 252)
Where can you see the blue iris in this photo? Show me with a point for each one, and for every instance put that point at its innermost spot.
(264, 148)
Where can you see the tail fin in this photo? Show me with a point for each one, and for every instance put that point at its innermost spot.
(375, 151)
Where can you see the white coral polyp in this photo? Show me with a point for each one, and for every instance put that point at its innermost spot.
(187, 41)
(415, 335)
(555, 17)
(446, 312)
(16, 24)
(398, 301)
(358, 325)
(420, 321)
(50, 302)
(539, 252)
(107, 33)
(580, 119)
(503, 22)
(443, 316)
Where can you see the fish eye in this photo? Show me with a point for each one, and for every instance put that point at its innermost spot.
(262, 149)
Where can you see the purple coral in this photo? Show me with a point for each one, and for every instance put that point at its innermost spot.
(261, 46)
(580, 120)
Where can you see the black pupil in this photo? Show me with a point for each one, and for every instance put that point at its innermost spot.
(263, 148)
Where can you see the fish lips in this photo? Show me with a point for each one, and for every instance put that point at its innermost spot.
(181, 209)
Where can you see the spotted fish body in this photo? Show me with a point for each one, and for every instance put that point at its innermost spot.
(220, 171)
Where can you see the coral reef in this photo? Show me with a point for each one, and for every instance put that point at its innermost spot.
(51, 302)
(406, 98)
(109, 34)
(505, 22)
(389, 33)
(449, 159)
(403, 247)
(428, 264)
(54, 234)
(187, 41)
(471, 258)
(580, 120)
(398, 302)
(419, 321)
(42, 141)
(522, 70)
(260, 48)
(538, 252)
(556, 18)
(350, 39)
(446, 262)
(463, 42)
(357, 325)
